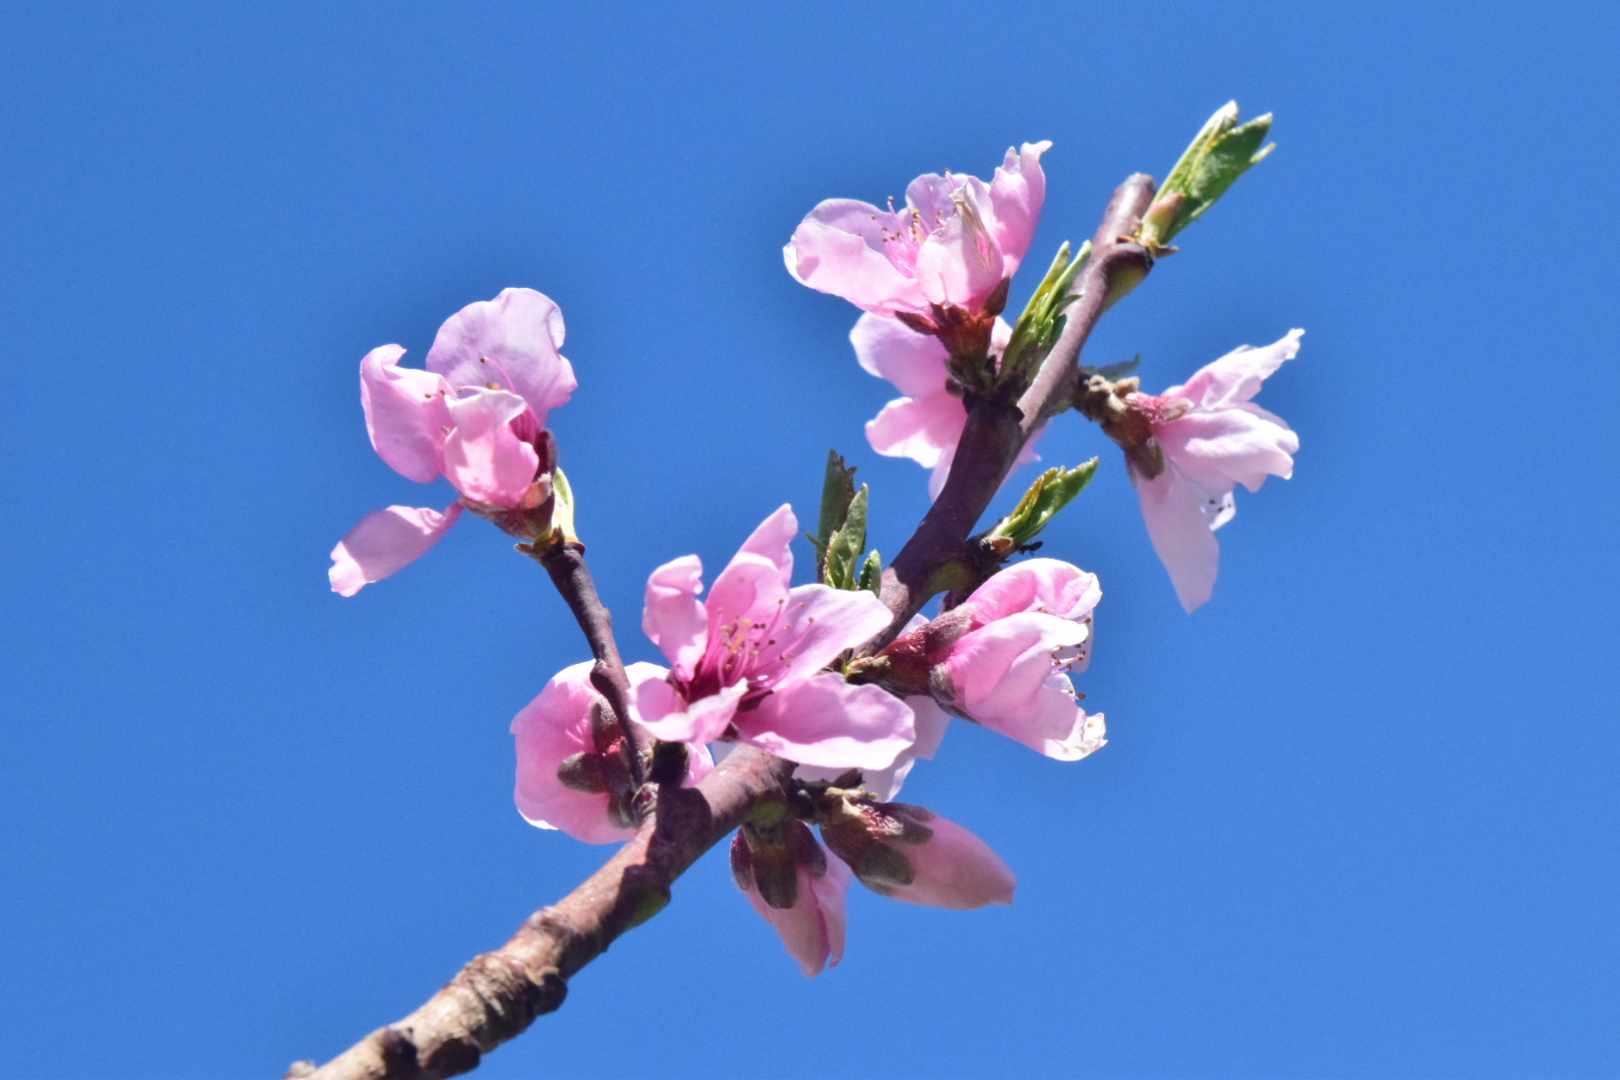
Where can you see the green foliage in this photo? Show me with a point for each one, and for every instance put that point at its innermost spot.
(1042, 320)
(841, 531)
(1222, 151)
(1052, 491)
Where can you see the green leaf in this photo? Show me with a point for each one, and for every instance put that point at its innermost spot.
(1119, 370)
(837, 489)
(1052, 491)
(1042, 319)
(872, 573)
(562, 507)
(845, 544)
(1222, 151)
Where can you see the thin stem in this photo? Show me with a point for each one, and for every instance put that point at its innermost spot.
(565, 562)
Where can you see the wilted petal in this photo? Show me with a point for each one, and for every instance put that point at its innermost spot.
(1017, 193)
(673, 617)
(510, 342)
(826, 721)
(1048, 585)
(406, 415)
(914, 362)
(483, 457)
(1237, 376)
(384, 542)
(817, 624)
(551, 728)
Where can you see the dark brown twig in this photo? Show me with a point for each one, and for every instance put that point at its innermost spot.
(565, 562)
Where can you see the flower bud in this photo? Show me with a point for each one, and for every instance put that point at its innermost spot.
(909, 853)
(789, 880)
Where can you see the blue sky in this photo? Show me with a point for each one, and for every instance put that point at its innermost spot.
(1358, 815)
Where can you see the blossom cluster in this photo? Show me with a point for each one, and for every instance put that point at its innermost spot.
(811, 672)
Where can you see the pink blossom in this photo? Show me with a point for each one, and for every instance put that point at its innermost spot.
(570, 758)
(910, 853)
(1003, 655)
(950, 249)
(1213, 437)
(789, 880)
(926, 424)
(751, 659)
(476, 416)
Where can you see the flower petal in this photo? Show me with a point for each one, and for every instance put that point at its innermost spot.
(922, 429)
(483, 457)
(384, 542)
(1240, 444)
(665, 715)
(1049, 585)
(854, 250)
(826, 721)
(1004, 676)
(961, 262)
(406, 415)
(812, 929)
(1181, 518)
(888, 348)
(551, 728)
(1017, 193)
(672, 616)
(952, 869)
(510, 342)
(1237, 376)
(817, 624)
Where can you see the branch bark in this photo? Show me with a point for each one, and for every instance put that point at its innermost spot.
(500, 993)
(996, 431)
(565, 562)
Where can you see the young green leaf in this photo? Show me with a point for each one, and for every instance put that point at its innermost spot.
(1052, 491)
(1222, 151)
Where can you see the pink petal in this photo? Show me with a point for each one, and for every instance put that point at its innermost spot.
(953, 869)
(483, 457)
(854, 250)
(551, 728)
(817, 624)
(1004, 677)
(961, 263)
(406, 415)
(384, 542)
(922, 429)
(826, 721)
(1237, 376)
(813, 928)
(1241, 444)
(665, 715)
(773, 539)
(699, 762)
(1181, 518)
(889, 349)
(753, 586)
(1017, 193)
(1048, 585)
(510, 342)
(930, 721)
(673, 617)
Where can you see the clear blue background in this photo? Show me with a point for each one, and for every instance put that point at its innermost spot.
(1358, 817)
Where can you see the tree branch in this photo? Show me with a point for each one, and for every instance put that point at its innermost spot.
(996, 431)
(565, 562)
(500, 993)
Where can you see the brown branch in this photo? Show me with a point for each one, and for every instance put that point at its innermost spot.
(499, 994)
(565, 562)
(996, 431)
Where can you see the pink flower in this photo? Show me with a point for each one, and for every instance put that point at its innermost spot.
(912, 854)
(945, 256)
(476, 416)
(1213, 437)
(1002, 657)
(926, 424)
(752, 659)
(571, 772)
(789, 880)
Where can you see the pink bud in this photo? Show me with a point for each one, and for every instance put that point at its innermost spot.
(909, 853)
